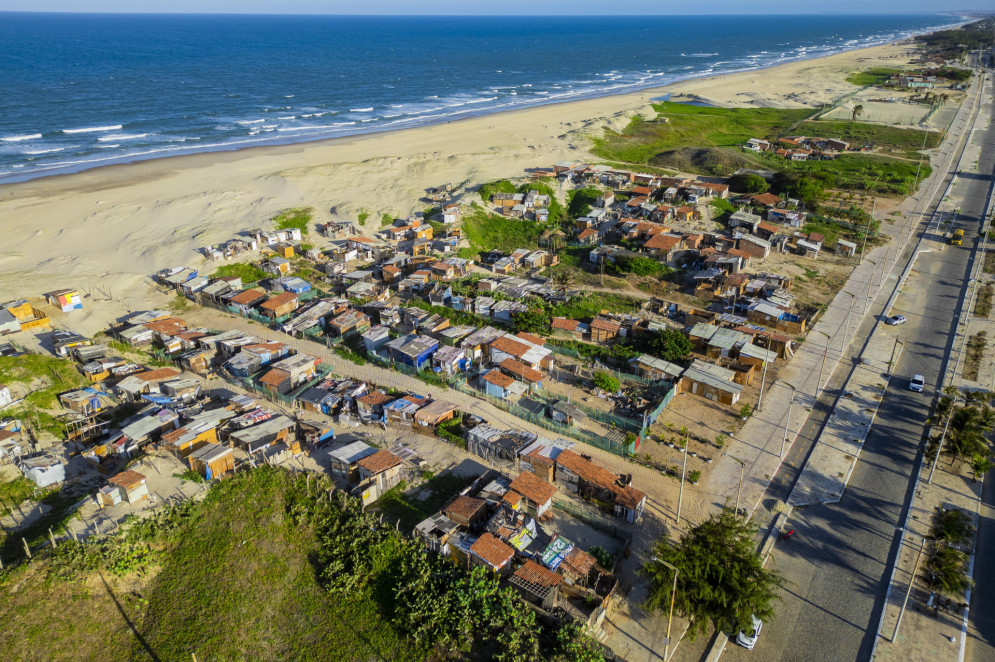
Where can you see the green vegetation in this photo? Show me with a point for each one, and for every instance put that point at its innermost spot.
(606, 382)
(856, 172)
(618, 353)
(640, 266)
(295, 217)
(15, 491)
(386, 220)
(604, 558)
(989, 266)
(557, 214)
(249, 273)
(683, 125)
(449, 430)
(591, 304)
(667, 344)
(490, 188)
(488, 231)
(954, 43)
(432, 495)
(951, 526)
(983, 306)
(972, 360)
(457, 317)
(722, 205)
(862, 133)
(872, 76)
(180, 304)
(581, 200)
(44, 378)
(190, 475)
(432, 378)
(533, 321)
(694, 476)
(721, 578)
(748, 183)
(322, 580)
(362, 217)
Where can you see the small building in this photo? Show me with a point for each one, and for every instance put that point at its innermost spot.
(432, 415)
(604, 330)
(530, 494)
(711, 382)
(564, 412)
(279, 305)
(491, 553)
(378, 473)
(212, 461)
(499, 385)
(466, 511)
(43, 470)
(371, 404)
(126, 486)
(375, 338)
(846, 248)
(65, 300)
(344, 461)
(537, 584)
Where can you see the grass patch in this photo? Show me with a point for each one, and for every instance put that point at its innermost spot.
(975, 351)
(989, 266)
(581, 200)
(872, 76)
(593, 303)
(857, 172)
(410, 509)
(983, 305)
(490, 188)
(180, 304)
(488, 231)
(249, 273)
(17, 490)
(861, 133)
(362, 217)
(682, 125)
(45, 377)
(295, 217)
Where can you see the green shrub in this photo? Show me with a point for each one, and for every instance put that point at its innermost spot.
(606, 382)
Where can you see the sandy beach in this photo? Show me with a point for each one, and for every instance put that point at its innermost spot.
(111, 227)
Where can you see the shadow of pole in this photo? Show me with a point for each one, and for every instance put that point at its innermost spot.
(127, 620)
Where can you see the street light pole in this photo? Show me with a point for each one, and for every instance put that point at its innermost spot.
(787, 418)
(670, 617)
(763, 379)
(742, 470)
(912, 580)
(825, 355)
(846, 331)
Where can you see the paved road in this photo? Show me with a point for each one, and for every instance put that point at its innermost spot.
(981, 631)
(839, 560)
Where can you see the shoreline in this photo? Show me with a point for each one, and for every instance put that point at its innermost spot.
(109, 227)
(82, 167)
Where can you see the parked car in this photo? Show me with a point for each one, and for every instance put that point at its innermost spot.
(917, 383)
(748, 641)
(895, 320)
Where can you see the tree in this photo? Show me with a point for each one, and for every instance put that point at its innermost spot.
(945, 571)
(563, 279)
(606, 382)
(532, 321)
(720, 577)
(669, 345)
(951, 526)
(748, 183)
(858, 110)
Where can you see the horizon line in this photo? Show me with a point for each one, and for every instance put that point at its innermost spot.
(550, 15)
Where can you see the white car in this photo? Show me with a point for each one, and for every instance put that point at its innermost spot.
(895, 320)
(748, 641)
(917, 383)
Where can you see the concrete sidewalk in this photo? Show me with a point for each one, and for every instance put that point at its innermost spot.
(789, 400)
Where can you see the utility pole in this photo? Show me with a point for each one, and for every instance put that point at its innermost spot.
(912, 580)
(684, 467)
(846, 331)
(763, 378)
(825, 355)
(670, 617)
(739, 493)
(787, 418)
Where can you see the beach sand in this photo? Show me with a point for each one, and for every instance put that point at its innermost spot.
(112, 227)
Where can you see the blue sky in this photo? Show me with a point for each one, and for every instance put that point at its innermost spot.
(508, 7)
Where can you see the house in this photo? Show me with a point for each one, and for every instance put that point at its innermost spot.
(466, 511)
(562, 411)
(765, 230)
(44, 470)
(478, 343)
(758, 145)
(344, 461)
(491, 553)
(522, 372)
(212, 461)
(499, 385)
(350, 322)
(846, 248)
(744, 219)
(5, 396)
(568, 328)
(378, 473)
(371, 404)
(768, 200)
(685, 214)
(287, 374)
(770, 315)
(711, 382)
(794, 219)
(252, 357)
(84, 401)
(604, 330)
(278, 266)
(432, 415)
(279, 305)
(516, 347)
(375, 338)
(8, 323)
(537, 584)
(530, 494)
(245, 301)
(132, 387)
(65, 300)
(126, 486)
(450, 360)
(753, 247)
(263, 435)
(413, 350)
(401, 412)
(200, 430)
(651, 367)
(595, 483)
(664, 246)
(65, 341)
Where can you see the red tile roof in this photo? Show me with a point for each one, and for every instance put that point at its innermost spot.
(247, 297)
(528, 337)
(601, 324)
(493, 551)
(565, 324)
(519, 369)
(379, 462)
(157, 375)
(532, 488)
(509, 345)
(589, 471)
(499, 379)
(274, 377)
(579, 561)
(662, 242)
(279, 300)
(764, 225)
(630, 497)
(768, 199)
(375, 398)
(465, 507)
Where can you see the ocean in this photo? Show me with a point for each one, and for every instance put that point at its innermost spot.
(85, 90)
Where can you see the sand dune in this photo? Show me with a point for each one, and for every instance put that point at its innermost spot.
(112, 226)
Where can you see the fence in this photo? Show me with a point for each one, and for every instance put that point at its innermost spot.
(655, 414)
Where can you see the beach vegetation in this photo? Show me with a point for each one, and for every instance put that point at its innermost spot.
(872, 76)
(294, 217)
(882, 136)
(386, 220)
(557, 214)
(490, 188)
(362, 217)
(249, 273)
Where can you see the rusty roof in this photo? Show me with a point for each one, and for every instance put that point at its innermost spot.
(579, 561)
(534, 573)
(603, 324)
(589, 471)
(279, 300)
(663, 242)
(498, 378)
(509, 345)
(250, 296)
(274, 377)
(533, 488)
(157, 375)
(492, 550)
(375, 398)
(465, 506)
(379, 462)
(519, 369)
(629, 497)
(565, 324)
(127, 479)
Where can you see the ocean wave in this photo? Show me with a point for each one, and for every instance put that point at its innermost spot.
(361, 110)
(288, 117)
(701, 54)
(248, 122)
(35, 152)
(17, 139)
(121, 136)
(94, 129)
(111, 146)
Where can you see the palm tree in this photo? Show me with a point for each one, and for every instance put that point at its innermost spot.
(563, 279)
(944, 572)
(857, 111)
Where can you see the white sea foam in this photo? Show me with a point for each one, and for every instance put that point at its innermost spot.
(288, 117)
(111, 146)
(121, 136)
(17, 139)
(93, 129)
(248, 122)
(34, 152)
(361, 110)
